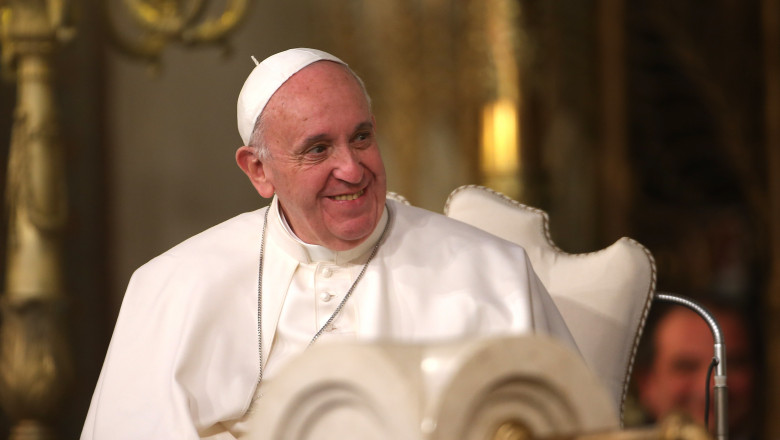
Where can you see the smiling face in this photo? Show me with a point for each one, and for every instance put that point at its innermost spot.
(323, 161)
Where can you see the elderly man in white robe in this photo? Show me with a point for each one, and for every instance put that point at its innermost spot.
(205, 324)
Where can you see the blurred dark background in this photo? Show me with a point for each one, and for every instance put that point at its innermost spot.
(638, 118)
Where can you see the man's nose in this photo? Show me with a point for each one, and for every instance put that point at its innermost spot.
(348, 166)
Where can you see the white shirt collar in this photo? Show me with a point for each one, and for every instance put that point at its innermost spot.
(281, 232)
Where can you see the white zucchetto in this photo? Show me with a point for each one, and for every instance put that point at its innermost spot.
(265, 80)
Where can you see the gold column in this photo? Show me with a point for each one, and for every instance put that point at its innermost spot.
(35, 364)
(500, 125)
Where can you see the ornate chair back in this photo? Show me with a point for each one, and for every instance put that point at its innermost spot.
(604, 296)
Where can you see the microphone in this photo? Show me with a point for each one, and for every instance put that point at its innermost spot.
(720, 392)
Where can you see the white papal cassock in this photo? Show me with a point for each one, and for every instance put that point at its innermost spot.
(183, 362)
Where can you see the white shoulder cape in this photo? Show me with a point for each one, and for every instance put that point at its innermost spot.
(183, 361)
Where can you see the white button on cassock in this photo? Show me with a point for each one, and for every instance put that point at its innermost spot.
(326, 296)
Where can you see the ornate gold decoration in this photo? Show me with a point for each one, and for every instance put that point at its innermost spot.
(673, 427)
(35, 368)
(512, 430)
(160, 22)
(34, 362)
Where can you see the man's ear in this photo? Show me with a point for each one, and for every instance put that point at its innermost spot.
(253, 167)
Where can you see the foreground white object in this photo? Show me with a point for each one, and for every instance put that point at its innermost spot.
(464, 391)
(183, 359)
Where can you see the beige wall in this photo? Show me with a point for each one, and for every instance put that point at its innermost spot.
(172, 135)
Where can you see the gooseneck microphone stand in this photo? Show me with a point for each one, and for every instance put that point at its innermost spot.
(720, 392)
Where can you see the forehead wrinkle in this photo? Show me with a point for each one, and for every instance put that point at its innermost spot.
(296, 92)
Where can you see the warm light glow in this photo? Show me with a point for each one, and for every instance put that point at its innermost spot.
(500, 139)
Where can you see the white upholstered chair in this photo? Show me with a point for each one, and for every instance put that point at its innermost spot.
(604, 296)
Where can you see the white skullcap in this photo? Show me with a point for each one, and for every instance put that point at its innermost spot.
(265, 80)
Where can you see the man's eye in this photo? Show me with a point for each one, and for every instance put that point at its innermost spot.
(317, 149)
(362, 136)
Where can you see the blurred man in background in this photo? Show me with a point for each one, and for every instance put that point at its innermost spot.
(672, 366)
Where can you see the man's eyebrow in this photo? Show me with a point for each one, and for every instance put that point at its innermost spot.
(309, 141)
(366, 125)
